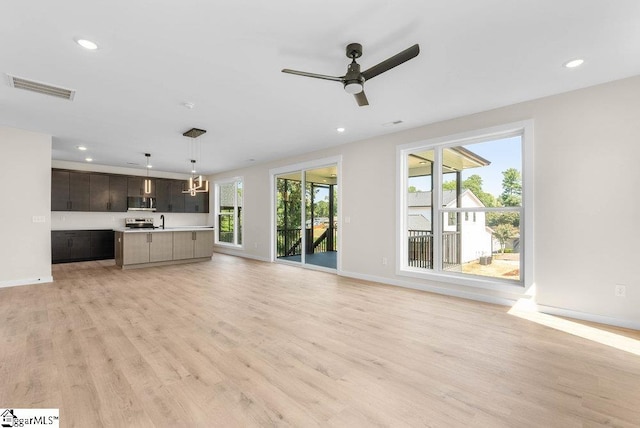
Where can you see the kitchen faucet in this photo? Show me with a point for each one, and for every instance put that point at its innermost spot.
(162, 218)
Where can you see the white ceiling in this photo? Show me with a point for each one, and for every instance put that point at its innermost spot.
(226, 58)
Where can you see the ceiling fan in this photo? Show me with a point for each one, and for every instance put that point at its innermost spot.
(354, 80)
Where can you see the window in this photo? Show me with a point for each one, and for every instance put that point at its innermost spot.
(452, 219)
(450, 181)
(229, 212)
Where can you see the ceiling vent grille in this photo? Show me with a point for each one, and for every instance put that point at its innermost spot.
(41, 88)
(194, 132)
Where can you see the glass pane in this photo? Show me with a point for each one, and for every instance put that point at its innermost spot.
(483, 174)
(227, 211)
(239, 225)
(320, 210)
(482, 243)
(420, 210)
(288, 216)
(227, 197)
(239, 205)
(225, 227)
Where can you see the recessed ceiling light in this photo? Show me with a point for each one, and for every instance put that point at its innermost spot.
(188, 105)
(574, 63)
(423, 162)
(149, 166)
(87, 44)
(89, 159)
(340, 129)
(83, 148)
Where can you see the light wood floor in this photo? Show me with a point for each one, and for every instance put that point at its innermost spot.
(235, 342)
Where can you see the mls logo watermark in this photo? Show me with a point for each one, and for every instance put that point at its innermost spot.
(29, 418)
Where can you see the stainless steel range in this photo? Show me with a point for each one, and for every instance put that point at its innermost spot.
(139, 223)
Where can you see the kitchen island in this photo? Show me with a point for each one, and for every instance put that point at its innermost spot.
(136, 248)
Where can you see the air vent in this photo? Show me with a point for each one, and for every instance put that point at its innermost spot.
(394, 123)
(41, 88)
(194, 132)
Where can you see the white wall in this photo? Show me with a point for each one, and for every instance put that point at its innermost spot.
(586, 149)
(25, 191)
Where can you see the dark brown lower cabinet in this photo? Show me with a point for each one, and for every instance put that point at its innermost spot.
(81, 245)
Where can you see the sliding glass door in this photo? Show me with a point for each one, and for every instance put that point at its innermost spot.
(306, 217)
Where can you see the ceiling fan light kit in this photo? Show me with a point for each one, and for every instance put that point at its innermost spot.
(353, 81)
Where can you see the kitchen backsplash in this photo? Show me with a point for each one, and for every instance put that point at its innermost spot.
(70, 220)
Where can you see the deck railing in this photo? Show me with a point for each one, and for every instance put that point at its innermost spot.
(289, 242)
(420, 251)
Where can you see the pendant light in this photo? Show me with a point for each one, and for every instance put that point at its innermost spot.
(147, 181)
(196, 183)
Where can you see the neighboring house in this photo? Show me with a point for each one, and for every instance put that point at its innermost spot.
(475, 237)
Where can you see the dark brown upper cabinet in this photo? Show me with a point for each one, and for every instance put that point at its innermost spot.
(108, 193)
(169, 196)
(69, 191)
(94, 191)
(196, 204)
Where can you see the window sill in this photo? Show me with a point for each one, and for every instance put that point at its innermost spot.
(229, 245)
(510, 286)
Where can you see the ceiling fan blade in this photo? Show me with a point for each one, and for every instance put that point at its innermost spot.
(361, 98)
(394, 61)
(314, 75)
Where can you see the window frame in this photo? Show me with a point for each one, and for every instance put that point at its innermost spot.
(237, 213)
(524, 129)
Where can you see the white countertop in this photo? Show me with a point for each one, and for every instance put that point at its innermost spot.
(167, 229)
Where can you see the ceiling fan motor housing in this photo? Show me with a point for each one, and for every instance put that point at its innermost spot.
(354, 50)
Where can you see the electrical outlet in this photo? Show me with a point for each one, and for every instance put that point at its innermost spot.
(255, 245)
(620, 290)
(384, 261)
(347, 220)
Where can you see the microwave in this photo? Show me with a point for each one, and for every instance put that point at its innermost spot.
(141, 203)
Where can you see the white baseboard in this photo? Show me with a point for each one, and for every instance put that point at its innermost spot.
(433, 289)
(26, 281)
(600, 319)
(239, 254)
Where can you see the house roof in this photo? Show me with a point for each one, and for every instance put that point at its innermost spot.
(418, 222)
(423, 199)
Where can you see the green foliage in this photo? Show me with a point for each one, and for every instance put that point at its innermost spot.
(504, 232)
(289, 209)
(473, 183)
(321, 209)
(511, 188)
(412, 189)
(496, 219)
(449, 185)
